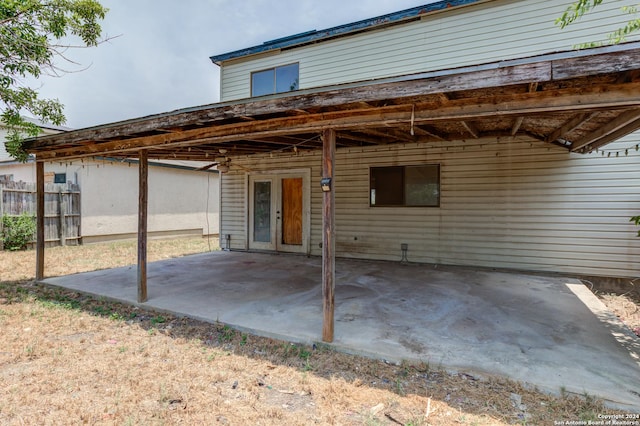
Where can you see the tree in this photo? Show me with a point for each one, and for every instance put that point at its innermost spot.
(33, 34)
(577, 9)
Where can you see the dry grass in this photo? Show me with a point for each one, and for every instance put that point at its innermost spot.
(69, 359)
(625, 308)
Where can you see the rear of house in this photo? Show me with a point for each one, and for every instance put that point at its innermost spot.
(453, 197)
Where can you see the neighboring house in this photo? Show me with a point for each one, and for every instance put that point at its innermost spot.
(461, 194)
(182, 200)
(470, 132)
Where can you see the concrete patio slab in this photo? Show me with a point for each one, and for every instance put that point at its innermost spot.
(549, 332)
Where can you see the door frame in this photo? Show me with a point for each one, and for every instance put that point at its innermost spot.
(276, 176)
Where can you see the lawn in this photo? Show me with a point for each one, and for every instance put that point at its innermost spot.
(67, 358)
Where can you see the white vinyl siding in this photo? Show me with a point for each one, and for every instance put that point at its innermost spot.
(474, 34)
(505, 204)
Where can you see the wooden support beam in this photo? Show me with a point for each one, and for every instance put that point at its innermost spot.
(359, 137)
(143, 194)
(613, 136)
(471, 128)
(468, 109)
(569, 126)
(621, 122)
(431, 131)
(40, 237)
(516, 125)
(328, 234)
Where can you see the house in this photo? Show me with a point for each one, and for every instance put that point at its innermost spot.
(507, 194)
(108, 204)
(462, 132)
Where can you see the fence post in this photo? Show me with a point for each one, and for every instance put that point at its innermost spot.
(63, 217)
(40, 236)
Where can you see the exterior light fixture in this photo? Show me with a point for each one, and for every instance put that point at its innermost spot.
(325, 184)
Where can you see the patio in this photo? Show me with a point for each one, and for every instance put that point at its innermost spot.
(550, 332)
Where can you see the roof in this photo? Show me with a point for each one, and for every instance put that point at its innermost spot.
(343, 30)
(577, 101)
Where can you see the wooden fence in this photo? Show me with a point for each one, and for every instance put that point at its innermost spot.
(61, 208)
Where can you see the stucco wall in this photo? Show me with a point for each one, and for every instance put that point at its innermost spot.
(180, 201)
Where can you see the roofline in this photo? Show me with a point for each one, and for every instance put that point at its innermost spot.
(342, 30)
(312, 91)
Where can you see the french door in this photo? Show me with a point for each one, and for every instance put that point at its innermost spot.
(279, 212)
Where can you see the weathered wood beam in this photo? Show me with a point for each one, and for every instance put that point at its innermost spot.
(40, 211)
(546, 70)
(425, 130)
(328, 235)
(143, 196)
(361, 94)
(533, 86)
(595, 64)
(516, 125)
(560, 100)
(393, 133)
(570, 125)
(535, 136)
(613, 136)
(358, 137)
(471, 128)
(621, 122)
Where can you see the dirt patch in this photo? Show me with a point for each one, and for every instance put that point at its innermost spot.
(621, 296)
(70, 358)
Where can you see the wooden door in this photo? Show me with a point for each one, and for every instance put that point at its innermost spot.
(292, 211)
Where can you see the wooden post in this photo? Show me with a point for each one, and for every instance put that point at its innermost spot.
(40, 237)
(63, 218)
(143, 193)
(328, 234)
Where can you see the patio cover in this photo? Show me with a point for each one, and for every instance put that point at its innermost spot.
(578, 101)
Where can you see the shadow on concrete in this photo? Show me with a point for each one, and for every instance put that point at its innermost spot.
(529, 328)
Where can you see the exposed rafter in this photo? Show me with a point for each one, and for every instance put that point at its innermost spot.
(569, 126)
(471, 128)
(624, 124)
(517, 123)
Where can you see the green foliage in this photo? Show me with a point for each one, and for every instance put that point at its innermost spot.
(33, 33)
(18, 231)
(636, 220)
(577, 9)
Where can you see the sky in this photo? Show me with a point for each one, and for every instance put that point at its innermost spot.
(156, 58)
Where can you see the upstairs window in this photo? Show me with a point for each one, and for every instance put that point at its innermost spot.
(275, 80)
(405, 186)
